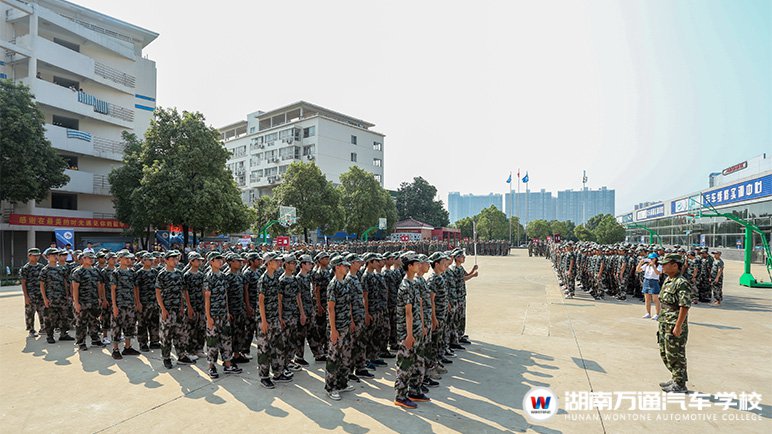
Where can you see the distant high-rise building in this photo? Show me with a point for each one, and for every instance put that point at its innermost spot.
(576, 206)
(469, 205)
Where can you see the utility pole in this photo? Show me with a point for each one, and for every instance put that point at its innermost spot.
(584, 196)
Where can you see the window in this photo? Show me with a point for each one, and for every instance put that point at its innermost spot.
(66, 82)
(309, 132)
(251, 130)
(67, 44)
(254, 161)
(64, 201)
(377, 177)
(377, 162)
(240, 151)
(61, 121)
(377, 146)
(72, 162)
(308, 150)
(353, 139)
(353, 157)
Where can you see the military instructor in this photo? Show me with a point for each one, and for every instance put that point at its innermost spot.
(675, 298)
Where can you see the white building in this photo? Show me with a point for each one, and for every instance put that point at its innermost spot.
(265, 144)
(91, 81)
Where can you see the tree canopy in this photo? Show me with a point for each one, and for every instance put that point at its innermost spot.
(417, 200)
(29, 166)
(364, 201)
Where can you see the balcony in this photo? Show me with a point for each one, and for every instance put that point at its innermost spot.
(79, 64)
(53, 95)
(101, 185)
(85, 182)
(84, 143)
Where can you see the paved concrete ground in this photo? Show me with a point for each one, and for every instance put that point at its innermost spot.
(525, 334)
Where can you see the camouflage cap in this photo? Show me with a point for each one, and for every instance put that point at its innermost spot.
(124, 254)
(33, 251)
(171, 254)
(109, 255)
(437, 256)
(672, 257)
(251, 256)
(194, 255)
(51, 251)
(409, 257)
(214, 255)
(423, 258)
(147, 256)
(457, 252)
(353, 257)
(339, 260)
(321, 255)
(87, 255)
(289, 257)
(306, 259)
(270, 256)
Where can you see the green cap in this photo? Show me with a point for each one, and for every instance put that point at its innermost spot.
(214, 255)
(33, 251)
(672, 257)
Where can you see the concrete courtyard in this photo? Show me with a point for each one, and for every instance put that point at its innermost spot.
(524, 334)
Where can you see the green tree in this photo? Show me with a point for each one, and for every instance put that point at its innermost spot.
(266, 209)
(417, 200)
(29, 166)
(517, 228)
(564, 228)
(317, 201)
(364, 201)
(125, 183)
(538, 229)
(593, 222)
(465, 225)
(583, 234)
(609, 231)
(492, 224)
(185, 181)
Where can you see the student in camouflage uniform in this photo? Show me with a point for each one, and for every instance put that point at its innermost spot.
(168, 290)
(252, 273)
(340, 327)
(439, 302)
(424, 359)
(125, 300)
(317, 334)
(292, 311)
(270, 342)
(62, 262)
(87, 295)
(358, 337)
(394, 276)
(195, 320)
(673, 328)
(569, 267)
(30, 286)
(53, 281)
(149, 317)
(236, 308)
(717, 278)
(690, 270)
(375, 294)
(106, 314)
(305, 287)
(409, 328)
(218, 333)
(703, 279)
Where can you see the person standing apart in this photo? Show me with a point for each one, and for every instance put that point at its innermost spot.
(651, 271)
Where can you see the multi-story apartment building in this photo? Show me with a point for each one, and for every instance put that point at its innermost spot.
(92, 82)
(469, 205)
(266, 143)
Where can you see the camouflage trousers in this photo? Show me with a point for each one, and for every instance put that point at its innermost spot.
(406, 364)
(461, 318)
(570, 284)
(249, 332)
(291, 337)
(87, 321)
(392, 316)
(440, 339)
(672, 349)
(422, 347)
(270, 350)
(718, 290)
(239, 332)
(106, 318)
(299, 347)
(379, 332)
(56, 316)
(358, 347)
(338, 362)
(34, 306)
(174, 333)
(453, 336)
(196, 329)
(317, 334)
(70, 312)
(149, 323)
(704, 289)
(125, 323)
(218, 340)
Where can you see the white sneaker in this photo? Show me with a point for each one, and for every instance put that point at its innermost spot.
(334, 395)
(201, 354)
(192, 357)
(655, 317)
(648, 315)
(349, 388)
(106, 341)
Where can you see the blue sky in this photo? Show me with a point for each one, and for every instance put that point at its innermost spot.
(648, 96)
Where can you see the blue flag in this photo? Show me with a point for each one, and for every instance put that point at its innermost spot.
(525, 178)
(509, 180)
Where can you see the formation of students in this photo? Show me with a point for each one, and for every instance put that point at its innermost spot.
(353, 310)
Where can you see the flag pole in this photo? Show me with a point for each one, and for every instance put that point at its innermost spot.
(517, 207)
(474, 238)
(510, 209)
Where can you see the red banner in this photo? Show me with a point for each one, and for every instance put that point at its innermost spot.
(282, 241)
(77, 222)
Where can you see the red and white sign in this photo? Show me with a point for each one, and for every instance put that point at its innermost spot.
(68, 222)
(404, 238)
(736, 168)
(282, 241)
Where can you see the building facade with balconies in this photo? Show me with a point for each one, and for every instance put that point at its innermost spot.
(263, 146)
(92, 82)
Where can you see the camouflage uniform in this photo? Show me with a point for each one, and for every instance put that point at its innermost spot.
(675, 293)
(289, 289)
(126, 322)
(377, 297)
(238, 311)
(54, 280)
(30, 274)
(270, 346)
(393, 280)
(172, 330)
(306, 294)
(339, 355)
(317, 333)
(251, 278)
(406, 357)
(437, 286)
(703, 279)
(423, 342)
(718, 287)
(570, 277)
(106, 313)
(358, 337)
(149, 320)
(87, 320)
(193, 284)
(218, 338)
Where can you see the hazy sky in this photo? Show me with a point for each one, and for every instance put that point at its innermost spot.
(648, 96)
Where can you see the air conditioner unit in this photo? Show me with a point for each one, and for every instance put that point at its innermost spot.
(310, 157)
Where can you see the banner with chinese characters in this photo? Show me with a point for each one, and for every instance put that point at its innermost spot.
(739, 192)
(37, 220)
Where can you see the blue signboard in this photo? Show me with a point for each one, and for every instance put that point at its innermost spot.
(650, 212)
(739, 192)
